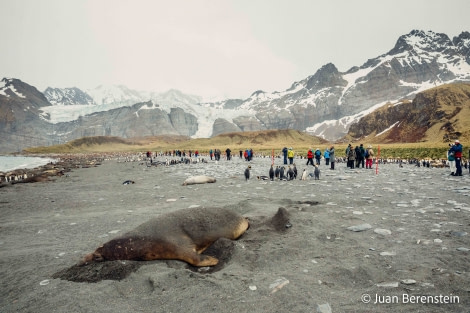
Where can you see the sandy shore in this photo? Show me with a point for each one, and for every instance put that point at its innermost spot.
(414, 244)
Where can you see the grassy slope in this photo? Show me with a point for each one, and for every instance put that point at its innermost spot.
(259, 141)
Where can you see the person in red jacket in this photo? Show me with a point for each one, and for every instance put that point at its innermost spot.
(310, 157)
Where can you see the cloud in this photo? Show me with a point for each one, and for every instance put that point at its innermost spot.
(201, 47)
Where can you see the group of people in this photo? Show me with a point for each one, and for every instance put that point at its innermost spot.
(355, 156)
(247, 154)
(358, 156)
(214, 154)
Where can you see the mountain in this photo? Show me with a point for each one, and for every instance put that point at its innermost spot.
(440, 114)
(67, 96)
(329, 101)
(138, 120)
(110, 98)
(22, 122)
(325, 104)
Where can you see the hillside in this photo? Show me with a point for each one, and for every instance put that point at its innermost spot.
(257, 140)
(437, 115)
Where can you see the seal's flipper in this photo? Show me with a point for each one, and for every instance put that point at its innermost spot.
(196, 259)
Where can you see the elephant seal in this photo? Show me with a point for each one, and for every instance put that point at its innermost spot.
(179, 235)
(199, 180)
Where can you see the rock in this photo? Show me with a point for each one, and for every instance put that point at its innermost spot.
(463, 249)
(408, 281)
(383, 232)
(361, 227)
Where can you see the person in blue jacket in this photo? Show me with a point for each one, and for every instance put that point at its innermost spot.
(326, 155)
(284, 152)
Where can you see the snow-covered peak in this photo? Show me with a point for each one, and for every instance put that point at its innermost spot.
(116, 94)
(418, 42)
(67, 96)
(7, 88)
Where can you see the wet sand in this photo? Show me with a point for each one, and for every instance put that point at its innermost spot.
(414, 242)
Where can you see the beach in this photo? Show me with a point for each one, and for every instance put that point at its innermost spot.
(356, 240)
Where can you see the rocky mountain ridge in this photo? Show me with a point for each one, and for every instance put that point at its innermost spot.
(440, 114)
(325, 104)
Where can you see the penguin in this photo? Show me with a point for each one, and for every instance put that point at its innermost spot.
(290, 174)
(316, 172)
(295, 171)
(277, 171)
(304, 175)
(247, 172)
(281, 173)
(271, 173)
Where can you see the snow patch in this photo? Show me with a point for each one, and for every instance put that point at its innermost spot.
(386, 130)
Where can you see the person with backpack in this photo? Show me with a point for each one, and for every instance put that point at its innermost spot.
(290, 155)
(362, 153)
(369, 155)
(358, 153)
(317, 156)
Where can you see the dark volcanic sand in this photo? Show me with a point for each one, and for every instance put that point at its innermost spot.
(418, 217)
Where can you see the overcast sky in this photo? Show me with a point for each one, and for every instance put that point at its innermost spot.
(211, 48)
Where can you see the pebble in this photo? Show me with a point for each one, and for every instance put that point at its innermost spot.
(278, 284)
(361, 227)
(388, 285)
(324, 308)
(463, 249)
(44, 282)
(388, 253)
(458, 233)
(408, 281)
(253, 288)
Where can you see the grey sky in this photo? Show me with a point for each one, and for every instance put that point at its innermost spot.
(210, 48)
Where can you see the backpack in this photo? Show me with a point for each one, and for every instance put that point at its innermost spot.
(366, 154)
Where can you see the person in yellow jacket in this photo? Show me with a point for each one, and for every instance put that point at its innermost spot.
(290, 155)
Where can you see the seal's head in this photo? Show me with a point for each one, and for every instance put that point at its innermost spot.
(91, 258)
